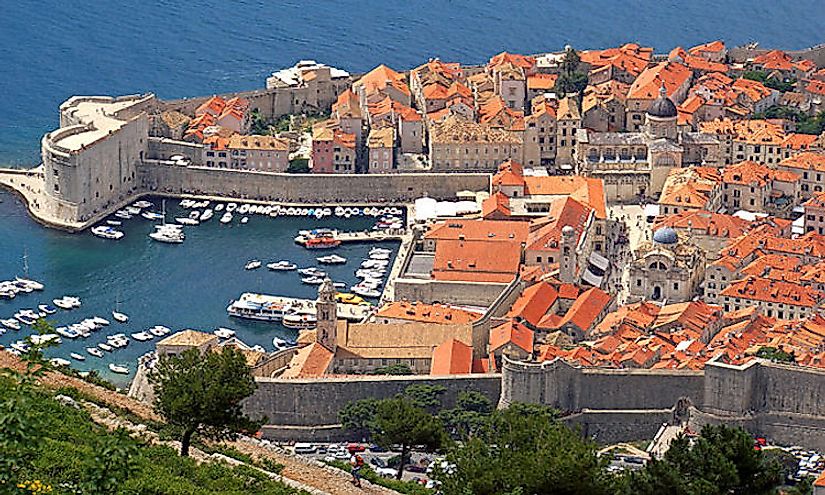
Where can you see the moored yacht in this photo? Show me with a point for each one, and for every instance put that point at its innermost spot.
(187, 221)
(206, 215)
(122, 370)
(168, 233)
(107, 232)
(282, 265)
(224, 333)
(252, 265)
(332, 259)
(299, 321)
(226, 217)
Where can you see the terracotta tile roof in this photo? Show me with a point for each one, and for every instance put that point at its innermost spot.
(630, 58)
(437, 71)
(511, 333)
(310, 361)
(568, 109)
(805, 161)
(521, 61)
(381, 138)
(509, 173)
(586, 308)
(379, 78)
(479, 230)
(690, 187)
(776, 291)
(774, 60)
(646, 87)
(584, 190)
(497, 205)
(799, 141)
(710, 47)
(764, 265)
(750, 131)
(347, 105)
(545, 232)
(452, 357)
(750, 173)
(816, 201)
(691, 315)
(696, 63)
(213, 105)
(533, 303)
(711, 224)
(754, 90)
(258, 142)
(477, 260)
(188, 338)
(542, 82)
(426, 313)
(216, 143)
(495, 113)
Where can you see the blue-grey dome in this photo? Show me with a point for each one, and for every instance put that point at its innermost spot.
(662, 107)
(665, 235)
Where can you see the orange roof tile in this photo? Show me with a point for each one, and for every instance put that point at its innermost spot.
(776, 291)
(710, 47)
(543, 82)
(522, 61)
(452, 357)
(774, 60)
(805, 161)
(646, 87)
(477, 260)
(511, 333)
(379, 78)
(712, 224)
(497, 205)
(310, 361)
(586, 308)
(479, 230)
(545, 232)
(533, 303)
(426, 313)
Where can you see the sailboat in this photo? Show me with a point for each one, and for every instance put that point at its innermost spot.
(168, 233)
(117, 315)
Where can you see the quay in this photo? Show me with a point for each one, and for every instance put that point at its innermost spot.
(359, 236)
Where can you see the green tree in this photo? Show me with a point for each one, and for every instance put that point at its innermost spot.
(775, 354)
(783, 85)
(298, 166)
(393, 369)
(427, 397)
(571, 79)
(470, 415)
(356, 417)
(401, 422)
(113, 463)
(720, 461)
(202, 393)
(523, 453)
(258, 125)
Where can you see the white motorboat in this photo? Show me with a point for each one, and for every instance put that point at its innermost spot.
(159, 330)
(57, 362)
(47, 309)
(365, 291)
(279, 343)
(77, 357)
(244, 209)
(133, 210)
(120, 317)
(123, 215)
(312, 272)
(339, 285)
(187, 221)
(300, 321)
(94, 351)
(312, 280)
(73, 301)
(142, 336)
(224, 333)
(105, 347)
(151, 215)
(102, 321)
(45, 339)
(114, 223)
(168, 233)
(226, 217)
(379, 256)
(11, 323)
(31, 284)
(20, 346)
(231, 207)
(206, 215)
(245, 220)
(186, 203)
(143, 204)
(66, 332)
(219, 207)
(282, 265)
(194, 215)
(252, 265)
(332, 259)
(122, 370)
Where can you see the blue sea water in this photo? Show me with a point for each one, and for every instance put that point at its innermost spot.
(52, 49)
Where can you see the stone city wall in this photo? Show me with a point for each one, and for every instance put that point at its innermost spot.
(316, 402)
(447, 292)
(306, 188)
(606, 427)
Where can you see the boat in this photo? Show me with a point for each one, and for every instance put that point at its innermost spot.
(123, 215)
(10, 323)
(312, 280)
(94, 351)
(133, 210)
(114, 223)
(31, 284)
(25, 319)
(244, 209)
(252, 265)
(339, 285)
(59, 362)
(226, 218)
(258, 307)
(245, 220)
(143, 204)
(282, 265)
(142, 336)
(107, 232)
(299, 321)
(48, 309)
(365, 291)
(322, 243)
(231, 207)
(194, 215)
(45, 339)
(187, 221)
(332, 259)
(160, 330)
(168, 233)
(219, 207)
(224, 333)
(20, 346)
(279, 343)
(206, 215)
(78, 357)
(379, 256)
(66, 332)
(120, 317)
(97, 320)
(105, 347)
(151, 215)
(312, 272)
(123, 370)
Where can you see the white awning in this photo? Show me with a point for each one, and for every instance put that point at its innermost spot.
(590, 278)
(599, 260)
(651, 210)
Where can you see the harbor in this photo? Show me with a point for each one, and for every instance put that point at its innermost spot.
(188, 285)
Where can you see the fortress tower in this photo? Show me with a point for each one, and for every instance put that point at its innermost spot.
(326, 310)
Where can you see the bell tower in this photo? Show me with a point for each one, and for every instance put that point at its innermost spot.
(326, 313)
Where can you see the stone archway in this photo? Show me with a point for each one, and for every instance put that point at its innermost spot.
(681, 411)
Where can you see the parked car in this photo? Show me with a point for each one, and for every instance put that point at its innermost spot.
(386, 472)
(356, 447)
(304, 448)
(415, 468)
(379, 462)
(377, 448)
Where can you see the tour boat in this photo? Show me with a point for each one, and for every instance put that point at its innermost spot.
(299, 321)
(107, 232)
(322, 243)
(143, 204)
(257, 307)
(252, 265)
(45, 308)
(142, 336)
(114, 223)
(94, 351)
(59, 362)
(77, 357)
(226, 218)
(187, 221)
(123, 370)
(224, 333)
(206, 215)
(10, 323)
(332, 259)
(282, 265)
(312, 280)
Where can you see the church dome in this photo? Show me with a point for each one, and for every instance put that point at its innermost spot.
(665, 235)
(662, 107)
